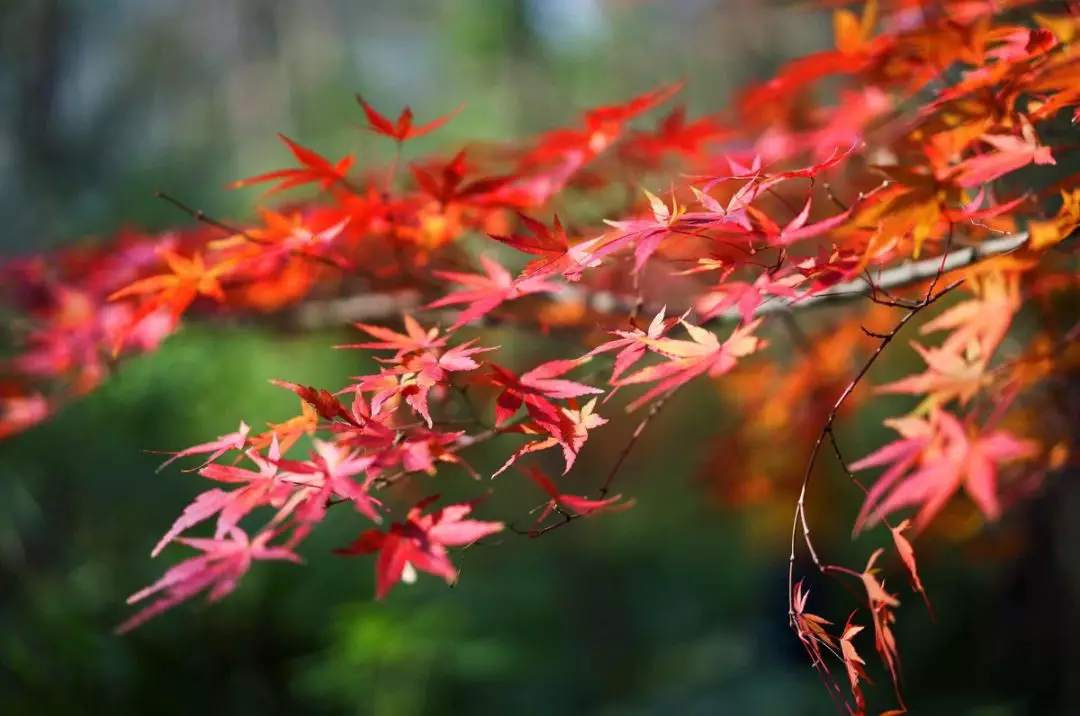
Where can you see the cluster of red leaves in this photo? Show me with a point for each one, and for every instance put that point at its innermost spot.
(781, 203)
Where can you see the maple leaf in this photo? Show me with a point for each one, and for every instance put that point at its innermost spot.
(230, 441)
(704, 354)
(325, 404)
(413, 340)
(1045, 234)
(533, 388)
(955, 458)
(175, 291)
(404, 129)
(881, 605)
(553, 248)
(261, 488)
(631, 345)
(315, 169)
(415, 376)
(810, 628)
(983, 320)
(675, 134)
(797, 229)
(828, 268)
(603, 125)
(544, 241)
(644, 234)
(907, 556)
(577, 505)
(422, 450)
(1012, 154)
(221, 566)
(450, 185)
(948, 376)
(419, 543)
(569, 428)
(852, 33)
(486, 293)
(747, 296)
(289, 431)
(328, 473)
(311, 234)
(599, 117)
(853, 663)
(901, 455)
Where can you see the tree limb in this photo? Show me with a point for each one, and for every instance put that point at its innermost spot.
(381, 306)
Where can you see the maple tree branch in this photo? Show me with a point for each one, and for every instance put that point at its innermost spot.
(799, 518)
(906, 274)
(374, 306)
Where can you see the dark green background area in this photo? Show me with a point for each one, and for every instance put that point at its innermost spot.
(669, 608)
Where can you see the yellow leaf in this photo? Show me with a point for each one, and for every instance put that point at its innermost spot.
(1043, 234)
(1064, 27)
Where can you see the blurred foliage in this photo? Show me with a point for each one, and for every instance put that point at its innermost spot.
(678, 606)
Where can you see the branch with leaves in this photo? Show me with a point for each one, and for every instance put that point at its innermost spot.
(754, 229)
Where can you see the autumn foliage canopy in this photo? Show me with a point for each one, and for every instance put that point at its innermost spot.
(895, 205)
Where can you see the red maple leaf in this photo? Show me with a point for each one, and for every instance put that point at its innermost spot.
(644, 235)
(404, 129)
(631, 344)
(747, 296)
(577, 505)
(603, 125)
(412, 377)
(315, 169)
(419, 543)
(675, 134)
(450, 185)
(328, 473)
(534, 388)
(414, 339)
(550, 244)
(323, 401)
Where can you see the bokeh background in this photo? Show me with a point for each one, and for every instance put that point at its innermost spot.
(675, 607)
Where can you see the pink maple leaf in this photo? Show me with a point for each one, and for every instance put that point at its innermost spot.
(704, 354)
(221, 566)
(956, 458)
(216, 448)
(486, 293)
(261, 488)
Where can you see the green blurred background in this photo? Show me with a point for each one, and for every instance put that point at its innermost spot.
(675, 607)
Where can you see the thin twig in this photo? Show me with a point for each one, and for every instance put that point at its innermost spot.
(654, 410)
(799, 518)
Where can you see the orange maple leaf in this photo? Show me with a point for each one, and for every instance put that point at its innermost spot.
(175, 291)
